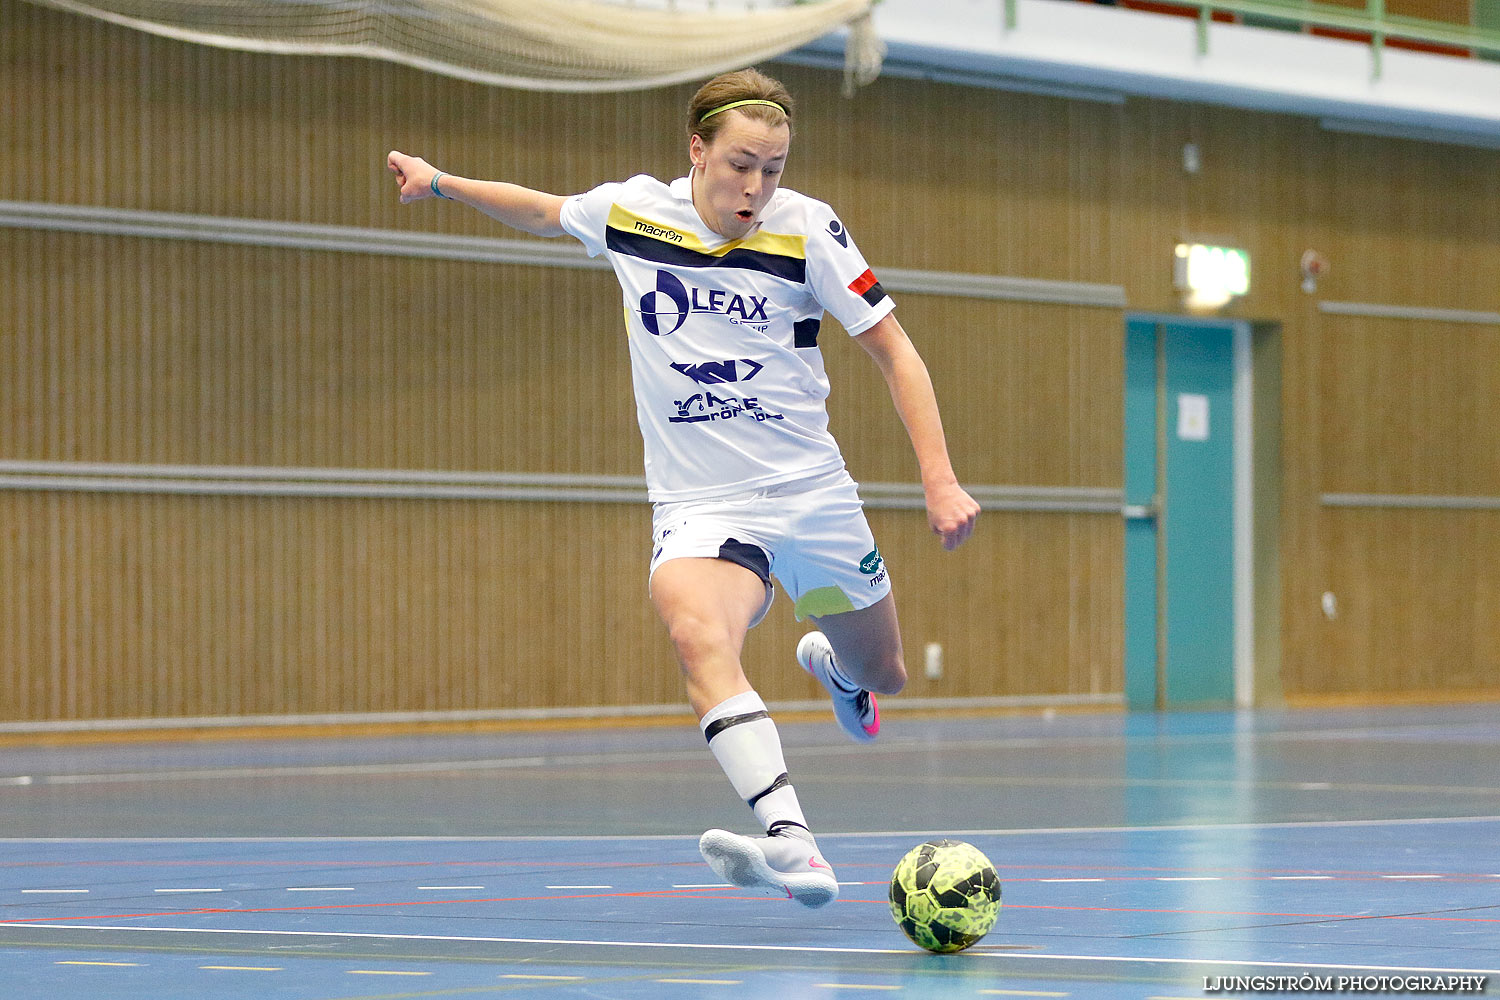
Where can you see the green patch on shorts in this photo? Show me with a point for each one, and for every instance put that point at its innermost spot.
(823, 601)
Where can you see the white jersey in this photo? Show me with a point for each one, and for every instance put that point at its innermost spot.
(729, 381)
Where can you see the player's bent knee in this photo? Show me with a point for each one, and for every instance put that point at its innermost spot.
(891, 679)
(882, 673)
(697, 640)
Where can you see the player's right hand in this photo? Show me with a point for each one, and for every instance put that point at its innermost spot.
(413, 176)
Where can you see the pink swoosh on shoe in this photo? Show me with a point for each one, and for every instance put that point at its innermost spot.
(813, 862)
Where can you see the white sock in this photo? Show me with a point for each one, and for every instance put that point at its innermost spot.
(839, 677)
(835, 672)
(745, 743)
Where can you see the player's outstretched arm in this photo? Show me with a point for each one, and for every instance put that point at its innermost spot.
(534, 212)
(950, 510)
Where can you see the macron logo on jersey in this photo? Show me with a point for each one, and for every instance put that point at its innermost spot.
(658, 231)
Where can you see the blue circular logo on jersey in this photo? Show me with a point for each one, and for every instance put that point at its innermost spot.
(669, 300)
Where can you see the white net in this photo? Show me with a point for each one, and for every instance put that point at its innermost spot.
(576, 45)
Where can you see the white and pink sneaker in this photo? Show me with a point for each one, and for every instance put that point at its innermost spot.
(785, 864)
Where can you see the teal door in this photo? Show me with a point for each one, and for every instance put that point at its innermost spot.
(1180, 495)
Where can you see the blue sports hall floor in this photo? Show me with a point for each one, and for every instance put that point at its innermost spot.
(1142, 856)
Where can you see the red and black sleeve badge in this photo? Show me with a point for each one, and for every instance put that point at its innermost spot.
(867, 288)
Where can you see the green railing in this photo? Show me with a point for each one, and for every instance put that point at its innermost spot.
(1373, 20)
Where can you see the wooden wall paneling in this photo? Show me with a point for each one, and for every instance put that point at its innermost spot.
(218, 368)
(1304, 564)
(1029, 393)
(1010, 190)
(1413, 592)
(1412, 219)
(1399, 410)
(1011, 621)
(304, 606)
(1429, 438)
(161, 351)
(307, 606)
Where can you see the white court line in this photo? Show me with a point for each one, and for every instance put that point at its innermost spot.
(1300, 878)
(1318, 824)
(783, 948)
(187, 890)
(1189, 878)
(730, 885)
(320, 888)
(440, 888)
(670, 755)
(54, 891)
(1412, 876)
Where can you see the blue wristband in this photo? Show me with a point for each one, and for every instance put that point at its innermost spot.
(434, 185)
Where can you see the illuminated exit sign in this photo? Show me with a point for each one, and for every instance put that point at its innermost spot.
(1210, 275)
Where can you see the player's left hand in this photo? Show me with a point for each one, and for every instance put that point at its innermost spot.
(952, 513)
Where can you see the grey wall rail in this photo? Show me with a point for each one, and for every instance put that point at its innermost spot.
(1410, 501)
(98, 220)
(419, 484)
(1380, 310)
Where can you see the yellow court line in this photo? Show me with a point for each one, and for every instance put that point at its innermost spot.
(520, 975)
(126, 965)
(853, 986)
(244, 968)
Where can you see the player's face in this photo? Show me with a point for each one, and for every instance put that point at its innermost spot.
(737, 173)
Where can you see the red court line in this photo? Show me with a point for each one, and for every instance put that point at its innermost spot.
(1219, 872)
(1437, 877)
(315, 862)
(665, 893)
(1337, 872)
(1228, 913)
(1237, 913)
(702, 894)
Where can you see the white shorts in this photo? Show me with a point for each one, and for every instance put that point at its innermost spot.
(811, 535)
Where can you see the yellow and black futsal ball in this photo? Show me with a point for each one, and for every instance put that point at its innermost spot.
(945, 895)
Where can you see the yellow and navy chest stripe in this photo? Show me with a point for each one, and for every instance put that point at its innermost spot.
(778, 254)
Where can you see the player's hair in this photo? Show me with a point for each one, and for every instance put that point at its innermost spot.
(730, 88)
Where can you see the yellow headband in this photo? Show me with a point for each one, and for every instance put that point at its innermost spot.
(740, 104)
